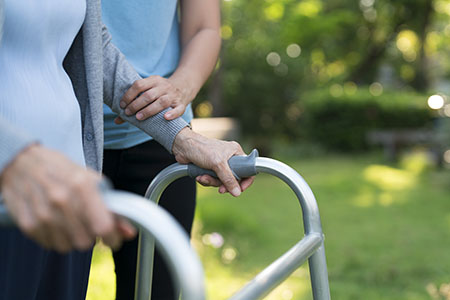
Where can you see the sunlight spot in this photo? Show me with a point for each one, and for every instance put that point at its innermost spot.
(350, 88)
(367, 3)
(416, 162)
(447, 156)
(370, 15)
(432, 42)
(436, 102)
(214, 240)
(309, 8)
(274, 12)
(376, 89)
(317, 56)
(226, 32)
(389, 179)
(204, 110)
(293, 50)
(273, 59)
(407, 40)
(228, 255)
(335, 68)
(336, 90)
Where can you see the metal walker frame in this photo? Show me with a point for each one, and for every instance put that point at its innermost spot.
(158, 227)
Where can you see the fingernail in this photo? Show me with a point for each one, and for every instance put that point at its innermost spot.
(127, 111)
(139, 116)
(236, 191)
(122, 104)
(168, 115)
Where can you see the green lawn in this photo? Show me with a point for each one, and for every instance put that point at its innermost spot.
(387, 231)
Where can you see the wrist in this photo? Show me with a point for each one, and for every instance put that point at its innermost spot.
(186, 84)
(181, 140)
(186, 141)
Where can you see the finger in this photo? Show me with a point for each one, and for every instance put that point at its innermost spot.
(119, 120)
(176, 112)
(98, 219)
(138, 87)
(113, 240)
(225, 175)
(157, 106)
(144, 100)
(247, 182)
(207, 180)
(222, 189)
(127, 230)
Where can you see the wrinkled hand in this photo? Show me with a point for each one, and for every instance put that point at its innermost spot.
(57, 203)
(210, 154)
(149, 96)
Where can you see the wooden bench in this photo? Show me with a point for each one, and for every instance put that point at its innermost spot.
(393, 140)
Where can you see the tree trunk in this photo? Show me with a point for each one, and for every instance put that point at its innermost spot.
(421, 81)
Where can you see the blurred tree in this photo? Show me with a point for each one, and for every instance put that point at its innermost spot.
(275, 51)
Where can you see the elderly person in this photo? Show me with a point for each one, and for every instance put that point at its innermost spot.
(51, 128)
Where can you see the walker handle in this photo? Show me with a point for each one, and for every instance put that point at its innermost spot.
(242, 166)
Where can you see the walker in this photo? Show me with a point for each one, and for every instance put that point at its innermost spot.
(158, 227)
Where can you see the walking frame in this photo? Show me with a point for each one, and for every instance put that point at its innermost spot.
(158, 227)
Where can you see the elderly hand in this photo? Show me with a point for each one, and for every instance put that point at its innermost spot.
(149, 96)
(210, 154)
(57, 202)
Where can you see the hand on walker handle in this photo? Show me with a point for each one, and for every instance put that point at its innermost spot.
(57, 203)
(212, 154)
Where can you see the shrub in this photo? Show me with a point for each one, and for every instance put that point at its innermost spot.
(342, 123)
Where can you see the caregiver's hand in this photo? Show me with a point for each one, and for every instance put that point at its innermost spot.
(149, 96)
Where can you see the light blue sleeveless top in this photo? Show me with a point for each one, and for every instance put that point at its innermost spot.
(147, 32)
(36, 94)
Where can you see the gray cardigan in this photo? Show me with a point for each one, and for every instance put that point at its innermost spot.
(99, 72)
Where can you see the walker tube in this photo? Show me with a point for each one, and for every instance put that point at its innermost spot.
(311, 246)
(186, 269)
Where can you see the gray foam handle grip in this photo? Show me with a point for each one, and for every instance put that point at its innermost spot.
(241, 166)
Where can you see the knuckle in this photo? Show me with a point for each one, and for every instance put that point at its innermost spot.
(139, 84)
(84, 243)
(59, 197)
(44, 217)
(28, 226)
(165, 102)
(79, 181)
(148, 97)
(104, 228)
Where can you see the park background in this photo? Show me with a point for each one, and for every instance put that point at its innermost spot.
(353, 95)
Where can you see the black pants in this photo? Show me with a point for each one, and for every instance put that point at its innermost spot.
(30, 272)
(132, 170)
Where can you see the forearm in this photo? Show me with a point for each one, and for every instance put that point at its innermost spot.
(198, 59)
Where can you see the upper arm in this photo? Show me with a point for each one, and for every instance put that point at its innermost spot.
(197, 15)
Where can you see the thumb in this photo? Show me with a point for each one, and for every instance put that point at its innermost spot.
(175, 112)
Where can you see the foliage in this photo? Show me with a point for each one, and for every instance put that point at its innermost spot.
(275, 51)
(343, 122)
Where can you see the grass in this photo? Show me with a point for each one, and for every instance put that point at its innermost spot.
(387, 231)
